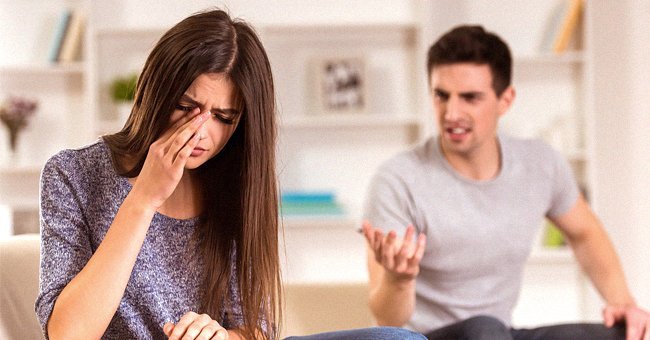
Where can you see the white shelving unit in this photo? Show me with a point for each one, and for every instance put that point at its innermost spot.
(318, 149)
(340, 152)
(59, 121)
(107, 46)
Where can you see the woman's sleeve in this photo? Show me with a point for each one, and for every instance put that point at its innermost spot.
(65, 242)
(233, 316)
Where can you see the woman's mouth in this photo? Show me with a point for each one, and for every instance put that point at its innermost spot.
(197, 151)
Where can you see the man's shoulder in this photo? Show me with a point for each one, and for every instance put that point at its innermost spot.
(528, 148)
(532, 157)
(414, 157)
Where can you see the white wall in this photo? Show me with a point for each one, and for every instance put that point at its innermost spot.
(166, 12)
(621, 42)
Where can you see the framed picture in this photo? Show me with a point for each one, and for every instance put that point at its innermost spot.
(341, 85)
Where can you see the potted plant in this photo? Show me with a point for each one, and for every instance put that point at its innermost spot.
(122, 93)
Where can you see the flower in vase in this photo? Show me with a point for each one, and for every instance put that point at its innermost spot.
(15, 114)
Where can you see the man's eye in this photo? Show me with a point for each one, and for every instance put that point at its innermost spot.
(470, 99)
(440, 96)
(184, 108)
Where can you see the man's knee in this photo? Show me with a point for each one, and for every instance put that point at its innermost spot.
(476, 328)
(485, 327)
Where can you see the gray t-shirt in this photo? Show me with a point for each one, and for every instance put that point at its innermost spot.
(479, 233)
(80, 195)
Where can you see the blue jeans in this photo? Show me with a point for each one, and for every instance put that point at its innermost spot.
(489, 328)
(373, 333)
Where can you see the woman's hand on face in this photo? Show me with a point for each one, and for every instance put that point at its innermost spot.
(166, 159)
(195, 326)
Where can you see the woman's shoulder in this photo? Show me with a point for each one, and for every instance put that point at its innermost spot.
(91, 156)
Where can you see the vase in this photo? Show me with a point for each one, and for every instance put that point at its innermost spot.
(13, 140)
(13, 146)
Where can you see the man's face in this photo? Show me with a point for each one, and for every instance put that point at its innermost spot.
(467, 108)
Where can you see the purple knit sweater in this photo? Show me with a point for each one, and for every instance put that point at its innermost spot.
(80, 195)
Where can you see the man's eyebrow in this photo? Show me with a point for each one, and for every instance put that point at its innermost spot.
(230, 111)
(472, 94)
(440, 91)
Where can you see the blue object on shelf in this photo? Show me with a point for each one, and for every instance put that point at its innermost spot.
(308, 197)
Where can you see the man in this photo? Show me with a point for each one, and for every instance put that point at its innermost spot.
(476, 198)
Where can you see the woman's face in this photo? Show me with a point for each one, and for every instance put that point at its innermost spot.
(216, 93)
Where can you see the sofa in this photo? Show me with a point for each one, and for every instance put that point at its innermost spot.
(19, 263)
(309, 307)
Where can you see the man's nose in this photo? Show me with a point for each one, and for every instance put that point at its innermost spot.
(453, 109)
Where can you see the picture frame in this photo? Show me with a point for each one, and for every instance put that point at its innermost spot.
(341, 85)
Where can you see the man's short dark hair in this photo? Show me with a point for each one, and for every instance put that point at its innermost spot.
(473, 44)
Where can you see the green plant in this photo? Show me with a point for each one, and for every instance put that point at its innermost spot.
(123, 88)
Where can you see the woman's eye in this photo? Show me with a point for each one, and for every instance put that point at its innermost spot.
(224, 118)
(184, 108)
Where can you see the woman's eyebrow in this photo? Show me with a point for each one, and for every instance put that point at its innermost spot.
(186, 98)
(233, 112)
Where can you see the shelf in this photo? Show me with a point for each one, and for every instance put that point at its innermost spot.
(576, 155)
(567, 58)
(129, 32)
(65, 69)
(318, 222)
(344, 28)
(350, 121)
(21, 204)
(560, 255)
(27, 169)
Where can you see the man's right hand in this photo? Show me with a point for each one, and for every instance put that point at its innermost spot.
(399, 258)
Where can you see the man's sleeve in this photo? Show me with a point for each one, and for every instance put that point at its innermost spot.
(565, 189)
(387, 203)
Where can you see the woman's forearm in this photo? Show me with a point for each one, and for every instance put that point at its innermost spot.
(87, 304)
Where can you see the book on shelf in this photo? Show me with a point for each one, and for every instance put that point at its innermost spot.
(308, 196)
(310, 203)
(59, 35)
(68, 37)
(563, 25)
(71, 46)
(569, 25)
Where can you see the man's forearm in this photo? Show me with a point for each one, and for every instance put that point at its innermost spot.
(392, 302)
(599, 260)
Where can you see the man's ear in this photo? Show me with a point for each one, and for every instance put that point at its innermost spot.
(506, 99)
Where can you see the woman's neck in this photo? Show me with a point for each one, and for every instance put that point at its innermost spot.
(185, 202)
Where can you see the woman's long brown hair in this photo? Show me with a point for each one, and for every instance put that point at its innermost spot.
(240, 189)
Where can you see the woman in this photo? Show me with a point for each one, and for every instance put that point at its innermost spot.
(169, 228)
